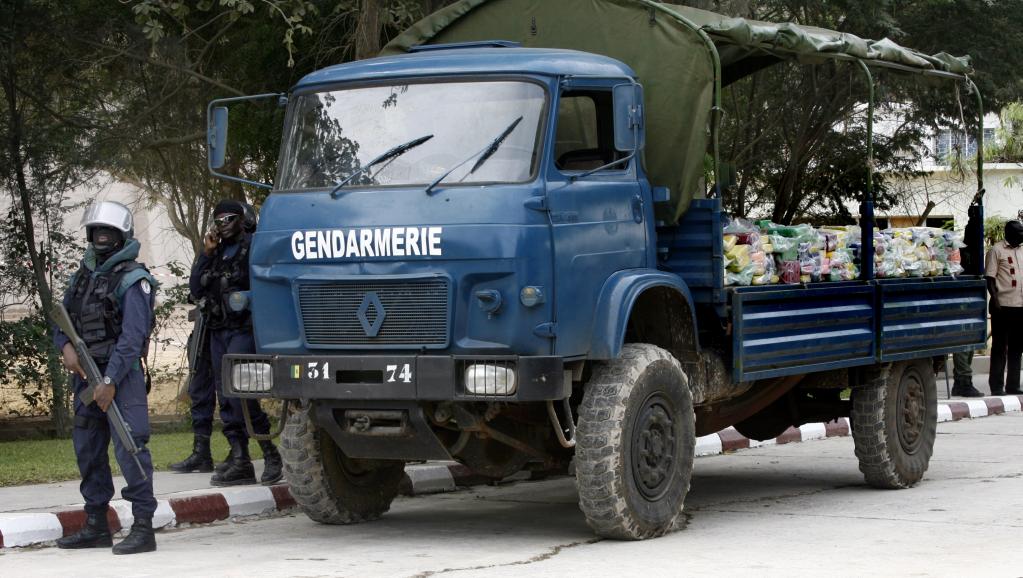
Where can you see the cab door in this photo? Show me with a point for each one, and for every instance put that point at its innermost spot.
(597, 218)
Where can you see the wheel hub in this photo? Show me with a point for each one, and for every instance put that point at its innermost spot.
(653, 448)
(911, 412)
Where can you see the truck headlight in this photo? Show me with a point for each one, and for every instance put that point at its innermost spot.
(487, 379)
(252, 377)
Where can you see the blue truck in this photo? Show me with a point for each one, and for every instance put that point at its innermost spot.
(495, 252)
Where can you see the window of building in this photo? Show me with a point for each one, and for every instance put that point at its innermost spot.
(948, 143)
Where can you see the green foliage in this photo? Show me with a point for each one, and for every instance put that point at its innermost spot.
(994, 229)
(51, 101)
(153, 16)
(1007, 146)
(795, 134)
(24, 350)
(989, 31)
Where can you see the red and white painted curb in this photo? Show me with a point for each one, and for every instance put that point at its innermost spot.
(194, 507)
(729, 439)
(980, 407)
(210, 505)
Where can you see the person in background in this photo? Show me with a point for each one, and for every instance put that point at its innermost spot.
(221, 270)
(110, 303)
(203, 397)
(1004, 274)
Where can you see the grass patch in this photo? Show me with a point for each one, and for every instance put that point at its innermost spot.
(42, 461)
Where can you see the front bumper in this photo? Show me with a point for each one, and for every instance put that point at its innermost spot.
(386, 377)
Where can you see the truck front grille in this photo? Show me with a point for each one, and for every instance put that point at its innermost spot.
(369, 314)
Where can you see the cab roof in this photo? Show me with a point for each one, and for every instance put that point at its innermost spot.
(471, 60)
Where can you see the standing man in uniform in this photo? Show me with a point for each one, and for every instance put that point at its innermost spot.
(221, 270)
(110, 302)
(1004, 273)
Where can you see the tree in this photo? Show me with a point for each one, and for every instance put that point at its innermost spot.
(1007, 145)
(172, 58)
(48, 121)
(794, 135)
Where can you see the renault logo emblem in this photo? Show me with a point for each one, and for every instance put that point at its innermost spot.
(371, 313)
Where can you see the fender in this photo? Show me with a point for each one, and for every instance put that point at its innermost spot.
(617, 298)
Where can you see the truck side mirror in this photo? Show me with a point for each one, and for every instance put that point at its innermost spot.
(216, 133)
(629, 123)
(217, 136)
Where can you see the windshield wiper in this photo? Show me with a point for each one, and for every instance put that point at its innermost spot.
(484, 154)
(387, 155)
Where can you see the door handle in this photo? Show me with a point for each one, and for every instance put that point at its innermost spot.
(637, 209)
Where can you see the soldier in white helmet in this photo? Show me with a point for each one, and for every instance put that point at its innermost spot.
(110, 301)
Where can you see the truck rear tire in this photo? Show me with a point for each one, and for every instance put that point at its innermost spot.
(635, 445)
(894, 422)
(330, 487)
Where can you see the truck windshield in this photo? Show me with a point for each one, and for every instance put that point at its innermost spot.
(333, 134)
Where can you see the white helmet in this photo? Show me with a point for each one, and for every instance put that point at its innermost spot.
(110, 214)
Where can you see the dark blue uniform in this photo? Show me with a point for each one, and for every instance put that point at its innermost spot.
(229, 333)
(92, 433)
(202, 392)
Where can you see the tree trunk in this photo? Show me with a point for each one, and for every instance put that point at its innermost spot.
(367, 32)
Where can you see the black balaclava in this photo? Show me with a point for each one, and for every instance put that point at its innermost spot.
(229, 232)
(1014, 233)
(105, 241)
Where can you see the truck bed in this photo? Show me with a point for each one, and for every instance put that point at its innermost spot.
(778, 330)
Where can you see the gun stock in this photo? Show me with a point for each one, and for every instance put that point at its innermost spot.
(196, 345)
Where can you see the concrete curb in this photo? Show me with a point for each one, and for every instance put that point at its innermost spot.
(729, 439)
(210, 505)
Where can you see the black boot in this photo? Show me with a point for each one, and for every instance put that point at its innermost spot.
(95, 534)
(140, 539)
(239, 467)
(221, 467)
(965, 389)
(200, 461)
(272, 466)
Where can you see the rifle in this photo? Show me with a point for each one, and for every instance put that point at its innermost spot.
(94, 378)
(197, 343)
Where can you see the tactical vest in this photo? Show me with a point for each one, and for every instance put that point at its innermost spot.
(223, 277)
(95, 307)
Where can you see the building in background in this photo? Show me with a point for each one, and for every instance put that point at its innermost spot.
(951, 185)
(161, 244)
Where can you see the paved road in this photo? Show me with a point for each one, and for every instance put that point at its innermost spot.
(796, 509)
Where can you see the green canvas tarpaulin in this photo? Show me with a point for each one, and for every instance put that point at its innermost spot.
(681, 55)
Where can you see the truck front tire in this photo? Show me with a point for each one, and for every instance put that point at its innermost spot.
(636, 443)
(330, 487)
(894, 422)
